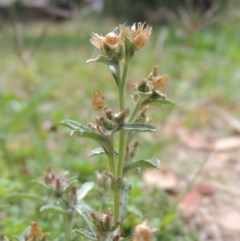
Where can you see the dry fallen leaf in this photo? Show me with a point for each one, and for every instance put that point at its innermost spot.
(227, 143)
(190, 204)
(231, 120)
(163, 178)
(205, 189)
(230, 221)
(194, 141)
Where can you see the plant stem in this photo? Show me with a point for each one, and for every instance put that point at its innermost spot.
(122, 145)
(135, 111)
(122, 85)
(121, 154)
(111, 162)
(117, 204)
(67, 227)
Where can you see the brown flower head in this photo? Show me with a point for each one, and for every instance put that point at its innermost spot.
(139, 34)
(160, 81)
(97, 41)
(98, 101)
(111, 44)
(35, 233)
(142, 232)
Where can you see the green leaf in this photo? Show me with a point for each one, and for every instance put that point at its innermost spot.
(129, 49)
(135, 211)
(23, 196)
(15, 238)
(168, 219)
(87, 218)
(96, 151)
(114, 69)
(53, 209)
(149, 163)
(84, 190)
(160, 102)
(44, 185)
(138, 127)
(81, 130)
(86, 233)
(102, 59)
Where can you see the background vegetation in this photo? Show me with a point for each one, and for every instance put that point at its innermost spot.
(44, 78)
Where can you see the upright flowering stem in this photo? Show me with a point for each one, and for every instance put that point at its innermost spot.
(67, 227)
(111, 162)
(117, 203)
(122, 144)
(123, 134)
(117, 49)
(122, 86)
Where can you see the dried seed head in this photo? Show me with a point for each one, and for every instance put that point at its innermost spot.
(36, 231)
(113, 39)
(139, 34)
(160, 81)
(97, 41)
(98, 101)
(111, 44)
(142, 232)
(155, 71)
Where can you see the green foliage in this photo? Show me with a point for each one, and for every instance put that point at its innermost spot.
(32, 94)
(151, 163)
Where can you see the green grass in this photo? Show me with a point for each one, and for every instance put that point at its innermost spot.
(57, 83)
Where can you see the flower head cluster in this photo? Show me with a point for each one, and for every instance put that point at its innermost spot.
(114, 44)
(138, 34)
(57, 182)
(35, 233)
(107, 120)
(105, 226)
(110, 45)
(98, 101)
(148, 89)
(61, 186)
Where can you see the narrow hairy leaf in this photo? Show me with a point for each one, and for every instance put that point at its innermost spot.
(96, 151)
(52, 209)
(102, 59)
(161, 102)
(138, 127)
(135, 211)
(83, 191)
(81, 130)
(74, 125)
(87, 218)
(23, 196)
(84, 131)
(86, 233)
(42, 184)
(148, 163)
(114, 69)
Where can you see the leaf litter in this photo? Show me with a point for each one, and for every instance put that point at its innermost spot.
(207, 160)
